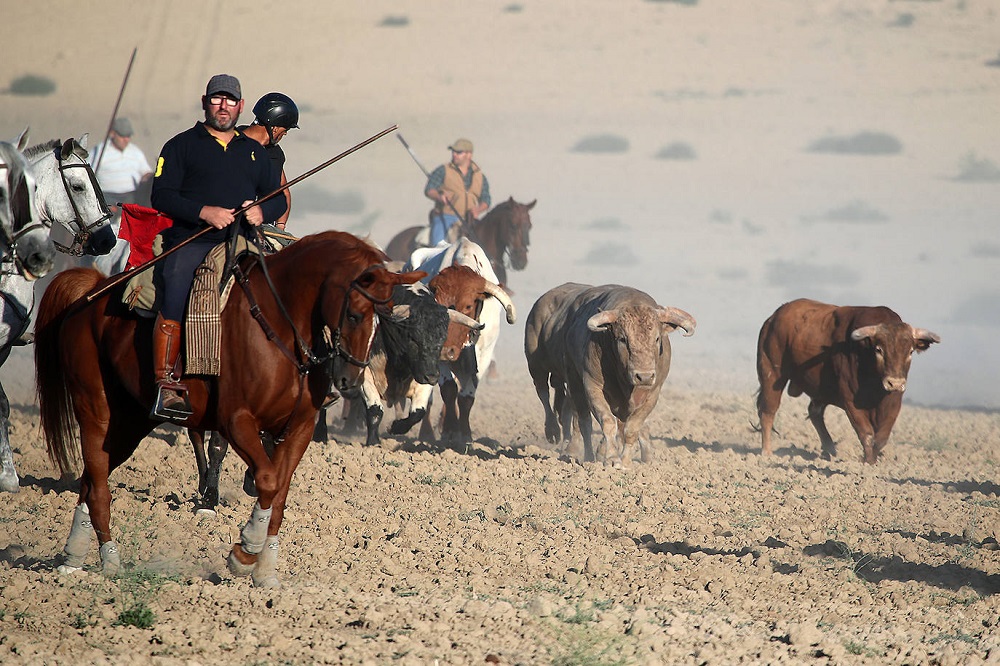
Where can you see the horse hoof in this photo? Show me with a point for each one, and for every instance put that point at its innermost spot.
(240, 562)
(269, 582)
(110, 559)
(9, 483)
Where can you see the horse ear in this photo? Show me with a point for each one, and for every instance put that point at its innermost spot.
(83, 140)
(67, 148)
(532, 204)
(22, 140)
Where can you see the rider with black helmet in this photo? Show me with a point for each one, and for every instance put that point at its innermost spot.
(274, 114)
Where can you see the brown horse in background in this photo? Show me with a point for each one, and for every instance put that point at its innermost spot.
(502, 232)
(312, 332)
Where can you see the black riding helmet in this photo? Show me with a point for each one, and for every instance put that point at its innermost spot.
(276, 109)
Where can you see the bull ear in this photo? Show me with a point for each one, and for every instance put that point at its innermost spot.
(597, 322)
(923, 339)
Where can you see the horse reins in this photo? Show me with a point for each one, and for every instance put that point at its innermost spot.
(311, 359)
(82, 236)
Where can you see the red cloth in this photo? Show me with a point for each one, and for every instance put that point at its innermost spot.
(139, 227)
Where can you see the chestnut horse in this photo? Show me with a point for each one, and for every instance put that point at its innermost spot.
(291, 334)
(502, 232)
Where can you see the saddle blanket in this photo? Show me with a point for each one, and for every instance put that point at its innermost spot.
(203, 320)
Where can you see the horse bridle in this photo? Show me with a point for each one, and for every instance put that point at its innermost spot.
(334, 340)
(82, 235)
(10, 238)
(311, 359)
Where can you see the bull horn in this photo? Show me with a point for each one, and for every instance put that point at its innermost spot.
(923, 338)
(864, 332)
(601, 319)
(498, 293)
(400, 312)
(678, 319)
(464, 320)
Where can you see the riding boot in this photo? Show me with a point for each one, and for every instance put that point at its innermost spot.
(171, 395)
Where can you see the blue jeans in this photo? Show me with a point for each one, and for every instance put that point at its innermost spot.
(440, 224)
(178, 276)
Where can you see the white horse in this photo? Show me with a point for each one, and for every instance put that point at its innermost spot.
(70, 201)
(25, 247)
(70, 213)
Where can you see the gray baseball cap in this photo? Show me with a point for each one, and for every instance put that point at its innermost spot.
(224, 84)
(122, 127)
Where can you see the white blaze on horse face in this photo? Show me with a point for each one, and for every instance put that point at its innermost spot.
(371, 338)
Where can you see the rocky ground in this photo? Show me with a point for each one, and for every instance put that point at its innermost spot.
(511, 554)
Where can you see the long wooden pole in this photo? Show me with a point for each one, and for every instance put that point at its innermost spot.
(121, 277)
(114, 114)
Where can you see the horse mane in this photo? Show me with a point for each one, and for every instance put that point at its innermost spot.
(353, 247)
(35, 151)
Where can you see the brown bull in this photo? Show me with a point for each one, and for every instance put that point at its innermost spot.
(855, 358)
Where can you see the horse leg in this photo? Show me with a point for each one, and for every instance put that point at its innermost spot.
(8, 473)
(246, 439)
(321, 433)
(105, 448)
(217, 447)
(249, 483)
(286, 460)
(197, 438)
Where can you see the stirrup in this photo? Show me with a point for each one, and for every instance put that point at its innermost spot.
(177, 412)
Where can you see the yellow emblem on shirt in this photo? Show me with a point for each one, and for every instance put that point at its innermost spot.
(253, 155)
(159, 168)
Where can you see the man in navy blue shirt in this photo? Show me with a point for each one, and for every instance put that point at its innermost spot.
(203, 176)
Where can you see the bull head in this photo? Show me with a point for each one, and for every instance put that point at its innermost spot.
(673, 317)
(893, 347)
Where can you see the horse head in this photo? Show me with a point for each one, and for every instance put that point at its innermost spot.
(69, 195)
(516, 228)
(24, 237)
(352, 317)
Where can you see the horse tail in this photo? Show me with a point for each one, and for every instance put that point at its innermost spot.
(55, 403)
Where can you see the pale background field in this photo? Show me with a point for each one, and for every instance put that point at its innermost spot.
(573, 103)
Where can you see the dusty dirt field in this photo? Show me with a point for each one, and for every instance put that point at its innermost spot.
(509, 554)
(671, 147)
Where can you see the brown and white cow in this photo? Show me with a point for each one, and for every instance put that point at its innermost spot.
(461, 288)
(854, 358)
(609, 346)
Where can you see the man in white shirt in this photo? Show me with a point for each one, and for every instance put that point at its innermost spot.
(121, 169)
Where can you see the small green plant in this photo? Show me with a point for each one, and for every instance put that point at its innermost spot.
(860, 649)
(429, 480)
(582, 646)
(579, 616)
(466, 516)
(82, 621)
(139, 615)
